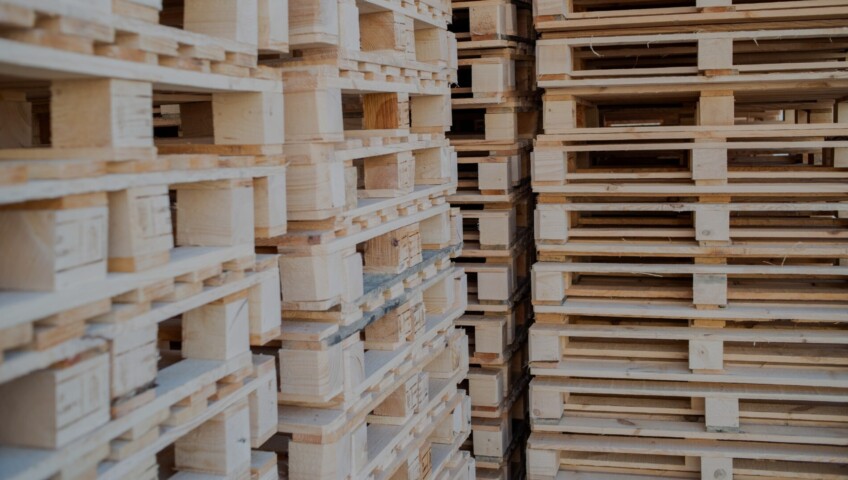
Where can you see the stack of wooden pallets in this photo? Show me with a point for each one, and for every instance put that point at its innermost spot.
(140, 153)
(369, 358)
(495, 112)
(691, 296)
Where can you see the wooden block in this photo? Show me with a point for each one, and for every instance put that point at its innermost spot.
(553, 7)
(430, 113)
(388, 175)
(216, 213)
(329, 461)
(716, 109)
(16, 118)
(401, 404)
(712, 223)
(317, 190)
(354, 366)
(501, 126)
(231, 19)
(546, 404)
(706, 355)
(721, 414)
(709, 164)
(493, 76)
(432, 45)
(551, 224)
(352, 271)
(396, 326)
(220, 446)
(548, 286)
(264, 307)
(382, 30)
(440, 297)
(248, 118)
(709, 289)
(497, 230)
(273, 29)
(542, 463)
(217, 331)
(434, 166)
(312, 278)
(393, 252)
(53, 407)
(436, 231)
(318, 113)
(718, 468)
(549, 165)
(54, 248)
(715, 53)
(553, 60)
(385, 111)
(559, 114)
(263, 406)
(494, 284)
(452, 359)
(269, 206)
(311, 373)
(140, 229)
(134, 356)
(314, 21)
(491, 436)
(101, 113)
(485, 386)
(544, 347)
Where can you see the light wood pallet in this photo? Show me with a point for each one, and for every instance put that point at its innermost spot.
(130, 288)
(689, 297)
(391, 394)
(372, 99)
(588, 17)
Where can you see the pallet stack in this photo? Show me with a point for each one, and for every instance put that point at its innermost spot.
(691, 292)
(495, 111)
(140, 154)
(369, 358)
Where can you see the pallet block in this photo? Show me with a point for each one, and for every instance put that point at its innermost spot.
(73, 231)
(140, 226)
(54, 407)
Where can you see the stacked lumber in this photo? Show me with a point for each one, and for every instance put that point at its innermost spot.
(495, 112)
(369, 358)
(140, 155)
(691, 292)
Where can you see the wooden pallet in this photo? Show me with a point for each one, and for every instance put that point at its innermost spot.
(436, 412)
(343, 276)
(492, 171)
(587, 17)
(613, 457)
(189, 394)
